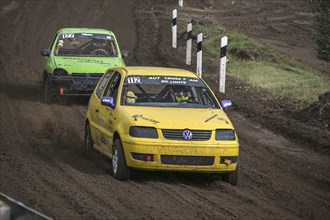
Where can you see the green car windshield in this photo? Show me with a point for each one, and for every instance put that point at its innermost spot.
(85, 44)
(167, 91)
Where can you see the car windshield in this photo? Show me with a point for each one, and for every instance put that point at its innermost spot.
(167, 91)
(84, 44)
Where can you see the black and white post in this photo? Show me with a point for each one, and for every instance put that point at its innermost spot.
(174, 28)
(199, 54)
(189, 42)
(181, 3)
(223, 62)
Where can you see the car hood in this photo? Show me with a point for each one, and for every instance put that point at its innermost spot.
(179, 118)
(87, 64)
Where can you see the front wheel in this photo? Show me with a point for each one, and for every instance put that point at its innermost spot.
(232, 177)
(120, 169)
(47, 92)
(88, 148)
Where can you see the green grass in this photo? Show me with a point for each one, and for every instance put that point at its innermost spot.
(270, 71)
(288, 82)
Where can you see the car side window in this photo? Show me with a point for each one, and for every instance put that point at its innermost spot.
(54, 40)
(103, 83)
(112, 87)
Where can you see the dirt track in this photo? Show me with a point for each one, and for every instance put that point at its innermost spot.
(41, 158)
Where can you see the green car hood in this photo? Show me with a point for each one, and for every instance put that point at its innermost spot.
(87, 64)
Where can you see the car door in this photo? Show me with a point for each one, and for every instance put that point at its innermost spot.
(94, 107)
(106, 114)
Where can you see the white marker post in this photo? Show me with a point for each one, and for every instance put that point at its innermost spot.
(189, 42)
(199, 54)
(223, 62)
(174, 28)
(181, 3)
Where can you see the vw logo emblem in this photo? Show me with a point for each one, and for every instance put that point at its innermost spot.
(186, 134)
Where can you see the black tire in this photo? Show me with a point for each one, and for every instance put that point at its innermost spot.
(231, 177)
(47, 93)
(120, 169)
(88, 144)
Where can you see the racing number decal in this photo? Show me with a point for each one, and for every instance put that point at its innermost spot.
(133, 80)
(67, 36)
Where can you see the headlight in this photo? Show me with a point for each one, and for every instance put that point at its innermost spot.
(143, 132)
(225, 135)
(60, 72)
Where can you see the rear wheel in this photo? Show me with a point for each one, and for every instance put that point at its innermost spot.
(231, 177)
(120, 169)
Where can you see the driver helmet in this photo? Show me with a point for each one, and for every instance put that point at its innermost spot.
(60, 43)
(181, 93)
(130, 97)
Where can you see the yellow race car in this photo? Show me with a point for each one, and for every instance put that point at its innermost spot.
(155, 118)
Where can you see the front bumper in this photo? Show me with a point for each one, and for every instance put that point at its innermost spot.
(186, 156)
(83, 84)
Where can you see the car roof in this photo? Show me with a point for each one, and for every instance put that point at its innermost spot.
(84, 30)
(157, 71)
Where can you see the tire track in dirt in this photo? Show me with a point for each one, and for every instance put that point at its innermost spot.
(61, 146)
(32, 120)
(272, 166)
(42, 163)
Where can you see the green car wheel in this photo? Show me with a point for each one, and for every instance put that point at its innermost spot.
(47, 93)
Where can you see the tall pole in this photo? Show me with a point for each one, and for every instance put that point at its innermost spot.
(181, 3)
(199, 54)
(189, 42)
(223, 62)
(174, 28)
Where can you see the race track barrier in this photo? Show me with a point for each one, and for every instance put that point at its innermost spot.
(11, 209)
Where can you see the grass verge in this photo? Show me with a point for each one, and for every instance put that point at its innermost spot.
(262, 67)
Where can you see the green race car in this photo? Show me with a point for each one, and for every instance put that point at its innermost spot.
(76, 60)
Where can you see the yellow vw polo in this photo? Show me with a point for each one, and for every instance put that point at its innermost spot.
(155, 118)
